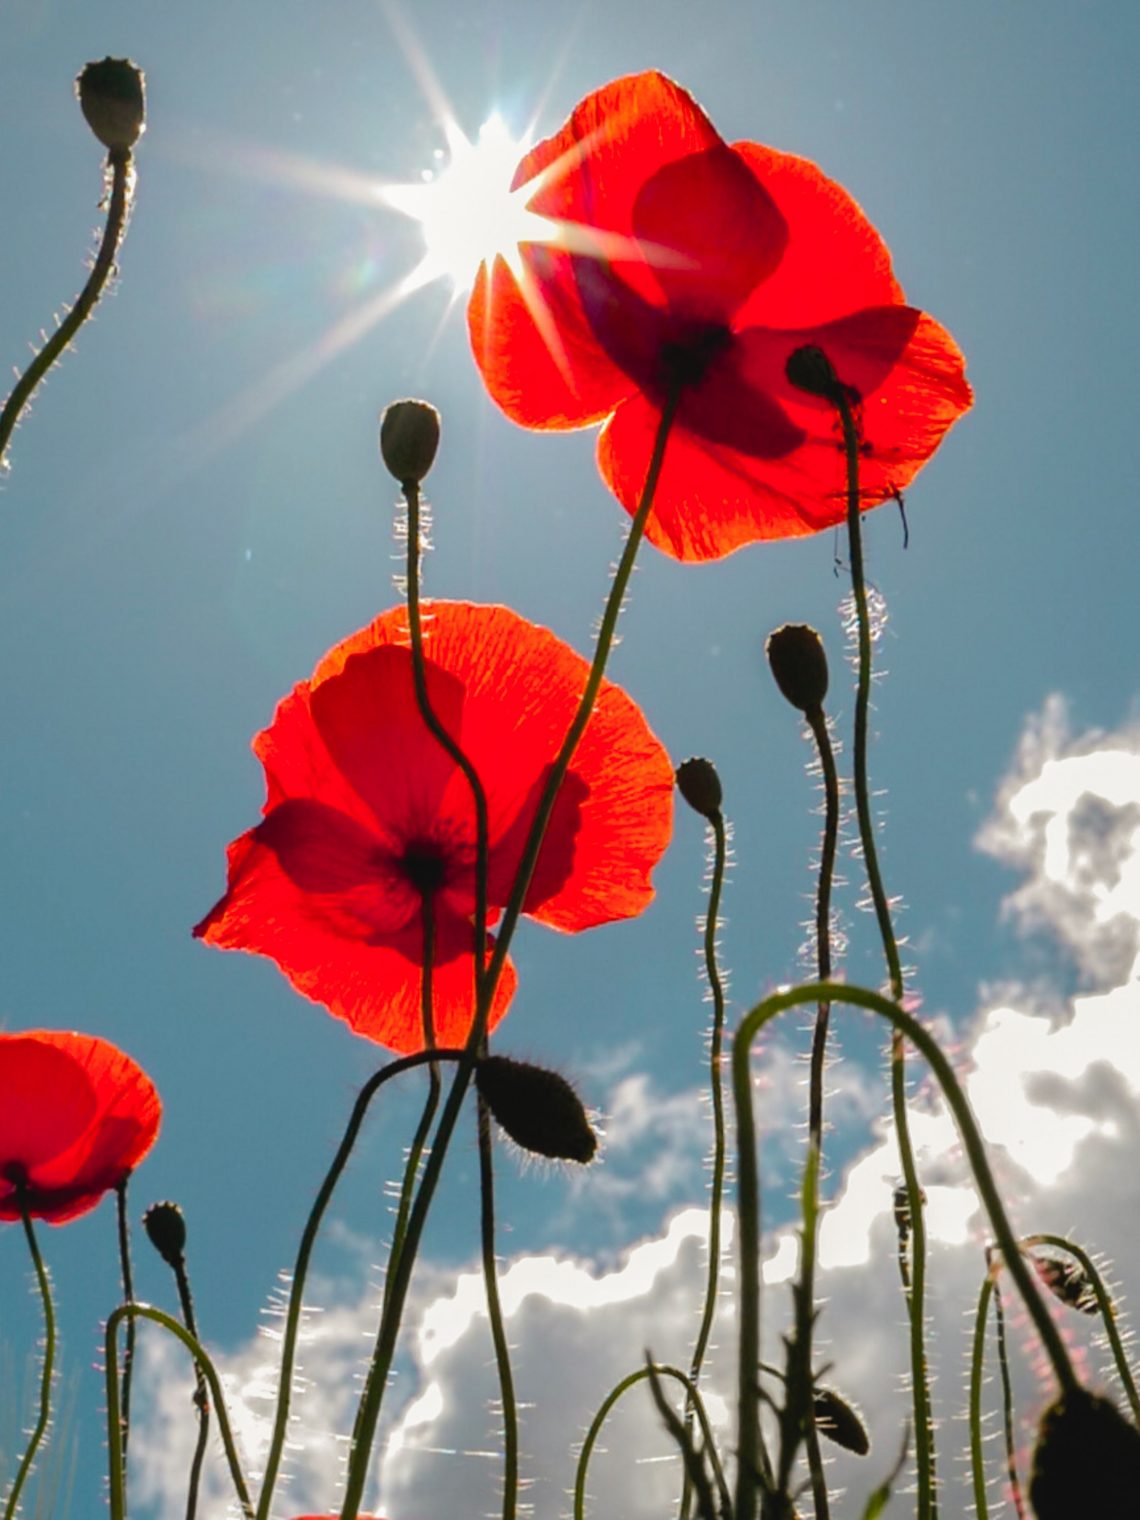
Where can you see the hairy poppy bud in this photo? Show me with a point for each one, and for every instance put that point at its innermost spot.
(809, 369)
(112, 97)
(1086, 1461)
(409, 438)
(838, 1421)
(166, 1230)
(537, 1108)
(796, 659)
(1067, 1281)
(699, 784)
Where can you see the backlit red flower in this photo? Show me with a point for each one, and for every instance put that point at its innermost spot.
(76, 1116)
(677, 259)
(366, 815)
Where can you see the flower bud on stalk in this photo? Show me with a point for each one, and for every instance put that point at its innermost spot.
(1086, 1461)
(165, 1226)
(699, 785)
(837, 1420)
(1067, 1281)
(409, 438)
(537, 1108)
(799, 665)
(112, 97)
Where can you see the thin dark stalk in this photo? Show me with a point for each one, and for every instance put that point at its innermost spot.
(495, 1313)
(378, 1372)
(977, 1369)
(120, 165)
(47, 1369)
(201, 1389)
(1007, 1408)
(124, 1234)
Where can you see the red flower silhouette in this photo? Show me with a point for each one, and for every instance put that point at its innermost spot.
(678, 259)
(366, 815)
(76, 1116)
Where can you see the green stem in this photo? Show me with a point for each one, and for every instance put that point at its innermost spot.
(915, 1290)
(716, 1091)
(692, 1394)
(124, 1235)
(118, 1497)
(495, 1313)
(201, 1391)
(1106, 1306)
(47, 1370)
(977, 1369)
(378, 1373)
(304, 1254)
(748, 1207)
(1007, 1407)
(120, 165)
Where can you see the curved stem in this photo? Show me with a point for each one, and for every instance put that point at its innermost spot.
(354, 1484)
(1007, 1407)
(118, 1502)
(692, 1395)
(977, 1368)
(495, 1313)
(120, 166)
(201, 1392)
(124, 1235)
(305, 1251)
(914, 1289)
(716, 1091)
(47, 1370)
(748, 1207)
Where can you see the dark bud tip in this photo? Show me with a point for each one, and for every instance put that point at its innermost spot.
(902, 1208)
(1086, 1461)
(409, 438)
(699, 784)
(838, 1421)
(537, 1108)
(1067, 1281)
(798, 662)
(166, 1229)
(809, 369)
(112, 97)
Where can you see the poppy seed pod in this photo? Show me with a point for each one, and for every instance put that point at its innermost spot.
(112, 97)
(1086, 1461)
(838, 1421)
(165, 1226)
(537, 1108)
(809, 369)
(409, 438)
(799, 664)
(699, 784)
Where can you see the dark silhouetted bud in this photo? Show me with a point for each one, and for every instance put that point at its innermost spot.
(166, 1229)
(902, 1208)
(537, 1108)
(699, 784)
(1086, 1461)
(796, 657)
(409, 438)
(1068, 1281)
(112, 97)
(838, 1421)
(809, 369)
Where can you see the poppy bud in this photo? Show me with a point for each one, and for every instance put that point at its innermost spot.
(838, 1421)
(112, 97)
(902, 1208)
(1086, 1461)
(166, 1230)
(699, 784)
(799, 664)
(537, 1108)
(1067, 1281)
(409, 438)
(809, 369)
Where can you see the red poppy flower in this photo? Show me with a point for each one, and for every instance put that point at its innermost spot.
(366, 815)
(677, 259)
(76, 1116)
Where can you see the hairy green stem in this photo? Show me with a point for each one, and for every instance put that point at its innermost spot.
(47, 1369)
(495, 1312)
(201, 1389)
(1007, 1407)
(977, 1370)
(124, 1235)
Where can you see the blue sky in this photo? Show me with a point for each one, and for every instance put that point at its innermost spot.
(183, 534)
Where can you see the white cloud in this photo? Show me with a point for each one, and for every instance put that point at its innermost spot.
(1057, 1092)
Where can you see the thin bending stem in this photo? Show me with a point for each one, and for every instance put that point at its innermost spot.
(121, 168)
(748, 1205)
(118, 1497)
(201, 1389)
(495, 1312)
(47, 1369)
(915, 1289)
(304, 1253)
(124, 1235)
(716, 1092)
(1007, 1407)
(977, 1370)
(354, 1485)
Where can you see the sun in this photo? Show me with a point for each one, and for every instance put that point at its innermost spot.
(467, 210)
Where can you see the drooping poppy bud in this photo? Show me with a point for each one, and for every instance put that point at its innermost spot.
(699, 784)
(1086, 1461)
(165, 1226)
(809, 369)
(537, 1108)
(1067, 1281)
(112, 97)
(838, 1421)
(409, 438)
(799, 664)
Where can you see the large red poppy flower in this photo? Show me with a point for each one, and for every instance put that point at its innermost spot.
(76, 1116)
(366, 815)
(677, 259)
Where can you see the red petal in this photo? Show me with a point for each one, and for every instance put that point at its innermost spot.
(834, 262)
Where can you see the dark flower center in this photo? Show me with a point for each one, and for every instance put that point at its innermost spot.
(16, 1173)
(425, 867)
(685, 361)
